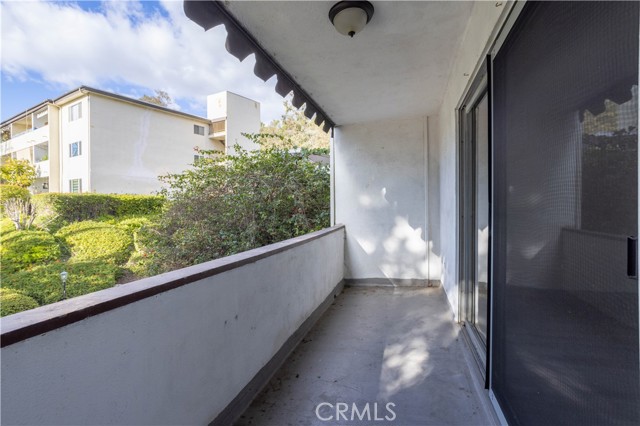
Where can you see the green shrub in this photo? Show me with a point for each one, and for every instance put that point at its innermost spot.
(12, 302)
(13, 191)
(44, 285)
(74, 207)
(143, 262)
(136, 205)
(8, 192)
(92, 241)
(22, 249)
(56, 210)
(140, 265)
(229, 204)
(6, 226)
(133, 223)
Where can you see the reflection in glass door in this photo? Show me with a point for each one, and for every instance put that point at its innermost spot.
(474, 219)
(481, 216)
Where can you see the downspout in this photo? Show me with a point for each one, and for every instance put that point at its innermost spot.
(427, 233)
(60, 149)
(88, 140)
(332, 183)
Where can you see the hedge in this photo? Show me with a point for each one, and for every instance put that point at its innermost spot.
(77, 207)
(12, 302)
(22, 249)
(136, 205)
(130, 223)
(44, 285)
(92, 241)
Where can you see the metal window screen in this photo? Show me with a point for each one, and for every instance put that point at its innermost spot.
(565, 119)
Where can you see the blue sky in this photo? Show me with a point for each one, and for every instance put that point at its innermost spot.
(125, 47)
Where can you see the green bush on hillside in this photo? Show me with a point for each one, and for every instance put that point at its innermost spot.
(143, 262)
(133, 223)
(55, 210)
(22, 249)
(43, 283)
(6, 226)
(93, 241)
(12, 302)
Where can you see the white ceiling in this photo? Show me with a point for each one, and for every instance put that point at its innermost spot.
(397, 66)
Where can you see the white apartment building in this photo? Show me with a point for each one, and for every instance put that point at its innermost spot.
(89, 140)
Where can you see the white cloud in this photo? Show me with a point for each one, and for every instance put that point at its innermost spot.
(119, 45)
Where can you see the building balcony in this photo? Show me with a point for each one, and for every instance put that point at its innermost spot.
(25, 140)
(218, 131)
(196, 345)
(42, 168)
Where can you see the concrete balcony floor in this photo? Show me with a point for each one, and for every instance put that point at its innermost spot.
(378, 344)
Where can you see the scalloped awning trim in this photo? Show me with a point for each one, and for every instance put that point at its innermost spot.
(240, 43)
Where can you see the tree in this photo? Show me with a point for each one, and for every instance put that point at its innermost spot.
(21, 212)
(229, 204)
(17, 172)
(161, 98)
(295, 128)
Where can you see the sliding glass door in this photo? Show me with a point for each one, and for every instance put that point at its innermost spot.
(474, 219)
(564, 328)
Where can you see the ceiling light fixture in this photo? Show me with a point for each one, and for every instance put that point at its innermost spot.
(350, 17)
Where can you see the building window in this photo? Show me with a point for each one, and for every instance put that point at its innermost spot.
(198, 130)
(197, 158)
(75, 112)
(75, 149)
(75, 186)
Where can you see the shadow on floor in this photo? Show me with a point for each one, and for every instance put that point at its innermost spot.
(376, 346)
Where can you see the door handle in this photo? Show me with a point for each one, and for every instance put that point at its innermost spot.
(632, 257)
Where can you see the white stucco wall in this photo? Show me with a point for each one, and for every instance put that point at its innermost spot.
(380, 195)
(217, 106)
(54, 149)
(132, 145)
(481, 30)
(242, 116)
(433, 195)
(70, 132)
(178, 357)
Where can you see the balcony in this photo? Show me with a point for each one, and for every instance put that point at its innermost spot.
(42, 168)
(25, 140)
(196, 345)
(218, 131)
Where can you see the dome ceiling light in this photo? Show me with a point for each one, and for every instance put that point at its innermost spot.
(350, 17)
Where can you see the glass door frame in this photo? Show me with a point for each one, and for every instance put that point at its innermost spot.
(467, 234)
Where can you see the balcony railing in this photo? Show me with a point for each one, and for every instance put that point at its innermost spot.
(177, 348)
(218, 127)
(25, 140)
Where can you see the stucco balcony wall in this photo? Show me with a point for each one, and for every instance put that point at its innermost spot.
(172, 349)
(25, 140)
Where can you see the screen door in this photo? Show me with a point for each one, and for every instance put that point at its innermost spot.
(565, 176)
